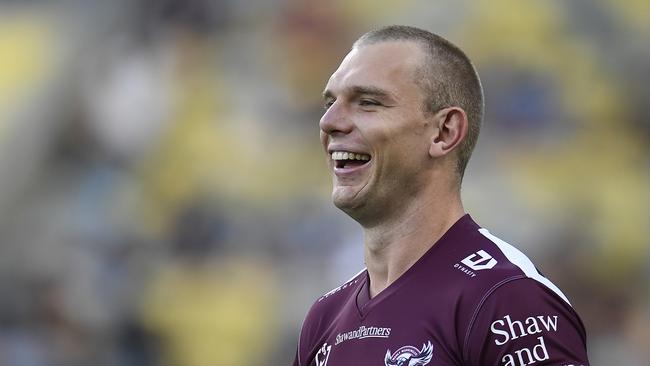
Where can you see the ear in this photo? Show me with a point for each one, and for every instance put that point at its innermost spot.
(452, 126)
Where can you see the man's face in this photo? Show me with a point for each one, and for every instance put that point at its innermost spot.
(375, 131)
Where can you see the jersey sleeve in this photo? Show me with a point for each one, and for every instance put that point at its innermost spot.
(302, 348)
(308, 333)
(523, 322)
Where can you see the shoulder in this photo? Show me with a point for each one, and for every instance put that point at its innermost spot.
(337, 294)
(525, 320)
(329, 304)
(496, 269)
(510, 308)
(517, 262)
(326, 309)
(489, 262)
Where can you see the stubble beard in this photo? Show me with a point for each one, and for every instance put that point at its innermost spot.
(356, 205)
(367, 207)
(373, 205)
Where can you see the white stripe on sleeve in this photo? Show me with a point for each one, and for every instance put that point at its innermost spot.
(519, 259)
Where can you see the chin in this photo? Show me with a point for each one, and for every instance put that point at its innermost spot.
(343, 203)
(352, 203)
(344, 199)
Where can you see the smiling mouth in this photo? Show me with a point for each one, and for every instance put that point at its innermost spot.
(348, 159)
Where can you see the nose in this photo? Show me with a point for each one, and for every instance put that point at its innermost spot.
(335, 119)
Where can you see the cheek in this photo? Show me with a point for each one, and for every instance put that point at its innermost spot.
(407, 151)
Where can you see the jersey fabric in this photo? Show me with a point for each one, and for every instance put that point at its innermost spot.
(470, 300)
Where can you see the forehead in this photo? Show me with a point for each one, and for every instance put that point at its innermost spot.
(388, 65)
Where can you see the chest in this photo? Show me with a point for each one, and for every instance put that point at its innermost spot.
(389, 338)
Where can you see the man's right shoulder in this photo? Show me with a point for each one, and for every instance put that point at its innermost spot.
(328, 306)
(338, 293)
(333, 300)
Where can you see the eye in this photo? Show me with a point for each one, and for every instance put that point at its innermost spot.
(368, 102)
(328, 103)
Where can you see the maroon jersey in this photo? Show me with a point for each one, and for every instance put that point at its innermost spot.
(471, 300)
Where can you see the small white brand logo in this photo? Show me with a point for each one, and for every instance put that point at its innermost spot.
(323, 355)
(479, 261)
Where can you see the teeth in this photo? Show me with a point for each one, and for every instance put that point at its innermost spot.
(344, 155)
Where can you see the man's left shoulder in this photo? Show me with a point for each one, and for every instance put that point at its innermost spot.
(526, 322)
(516, 312)
(479, 259)
(486, 263)
(482, 262)
(509, 263)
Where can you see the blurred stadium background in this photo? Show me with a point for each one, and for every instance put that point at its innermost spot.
(164, 199)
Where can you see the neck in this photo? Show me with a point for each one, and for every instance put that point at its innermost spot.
(393, 246)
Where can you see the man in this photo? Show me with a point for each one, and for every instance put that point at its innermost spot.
(403, 112)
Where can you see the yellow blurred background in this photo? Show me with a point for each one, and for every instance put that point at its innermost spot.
(164, 198)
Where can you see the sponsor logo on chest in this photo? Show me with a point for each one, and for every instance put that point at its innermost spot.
(362, 333)
(403, 356)
(507, 330)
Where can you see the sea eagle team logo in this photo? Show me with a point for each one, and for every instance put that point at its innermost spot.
(410, 356)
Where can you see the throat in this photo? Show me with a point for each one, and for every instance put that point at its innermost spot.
(391, 250)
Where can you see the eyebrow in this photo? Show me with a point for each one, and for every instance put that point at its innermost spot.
(363, 90)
